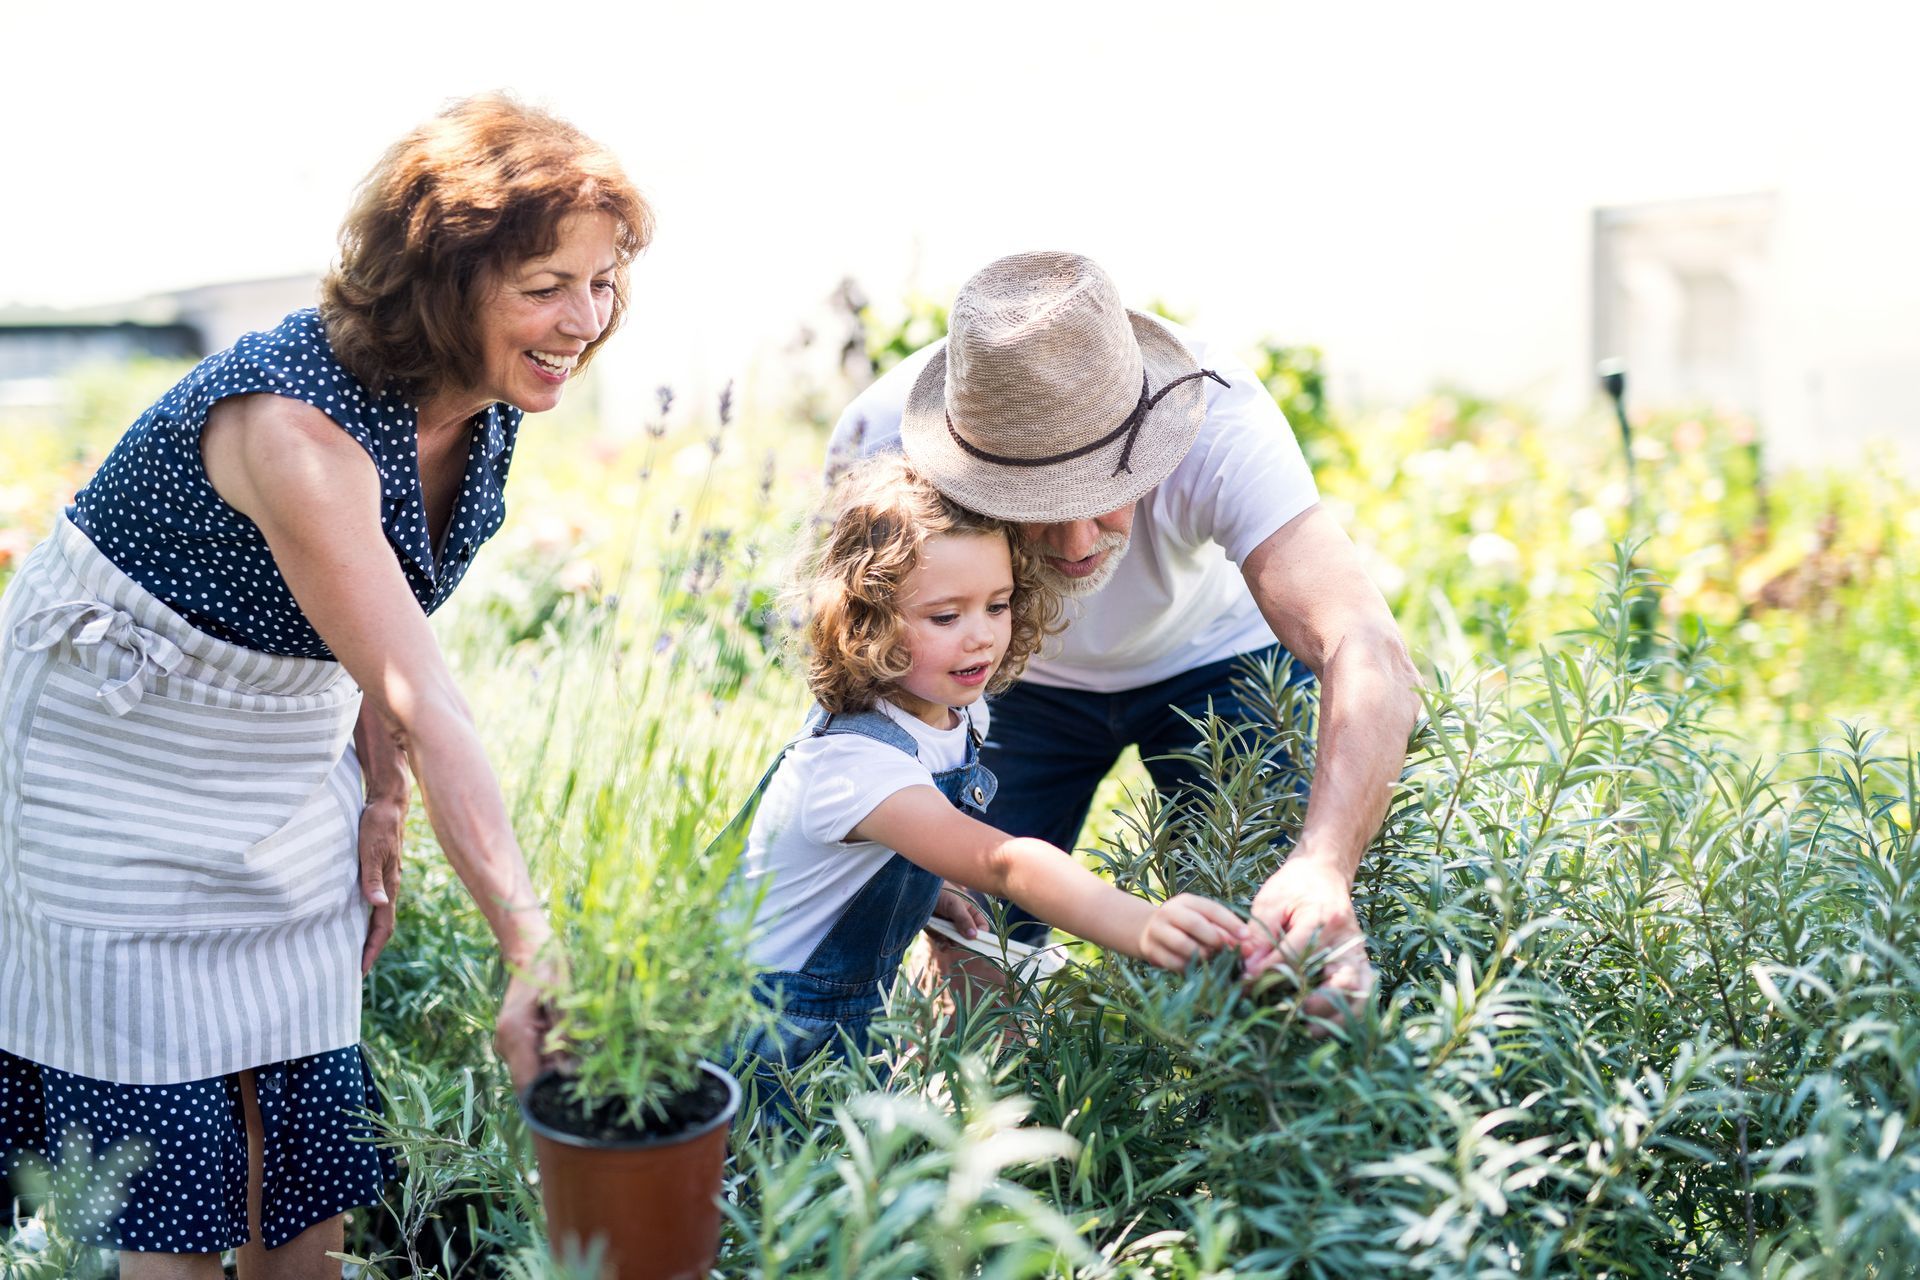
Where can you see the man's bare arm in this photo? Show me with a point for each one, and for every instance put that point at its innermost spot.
(1315, 594)
(1309, 583)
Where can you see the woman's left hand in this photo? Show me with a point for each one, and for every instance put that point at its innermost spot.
(523, 1032)
(383, 825)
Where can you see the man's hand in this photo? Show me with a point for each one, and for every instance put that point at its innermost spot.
(1313, 590)
(1307, 908)
(383, 825)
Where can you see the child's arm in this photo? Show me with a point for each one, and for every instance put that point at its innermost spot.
(920, 824)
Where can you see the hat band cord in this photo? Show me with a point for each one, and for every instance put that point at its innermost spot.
(1129, 428)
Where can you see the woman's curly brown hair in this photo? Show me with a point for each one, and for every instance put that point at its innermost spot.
(875, 521)
(481, 186)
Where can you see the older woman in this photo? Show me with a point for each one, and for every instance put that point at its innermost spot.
(216, 672)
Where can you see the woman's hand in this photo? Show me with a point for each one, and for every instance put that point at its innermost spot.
(383, 825)
(316, 496)
(1188, 925)
(525, 1024)
(959, 910)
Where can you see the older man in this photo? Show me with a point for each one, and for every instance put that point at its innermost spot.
(1170, 501)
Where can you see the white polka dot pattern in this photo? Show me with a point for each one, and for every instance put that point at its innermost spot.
(170, 1161)
(152, 511)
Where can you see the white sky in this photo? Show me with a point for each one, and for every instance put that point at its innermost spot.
(1402, 183)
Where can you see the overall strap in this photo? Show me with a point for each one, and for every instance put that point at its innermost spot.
(738, 824)
(970, 784)
(868, 724)
(975, 739)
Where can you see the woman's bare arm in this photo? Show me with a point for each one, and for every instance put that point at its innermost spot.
(315, 494)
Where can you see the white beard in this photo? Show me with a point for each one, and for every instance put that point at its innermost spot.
(1114, 544)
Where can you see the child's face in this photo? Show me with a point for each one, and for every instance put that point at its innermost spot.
(956, 607)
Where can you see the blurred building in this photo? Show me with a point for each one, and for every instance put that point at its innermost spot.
(1681, 294)
(1764, 305)
(39, 344)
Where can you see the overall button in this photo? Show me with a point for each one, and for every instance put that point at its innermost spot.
(979, 794)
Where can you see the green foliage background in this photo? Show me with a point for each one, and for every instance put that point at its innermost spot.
(1644, 909)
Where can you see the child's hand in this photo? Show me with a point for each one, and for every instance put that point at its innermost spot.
(1188, 925)
(960, 911)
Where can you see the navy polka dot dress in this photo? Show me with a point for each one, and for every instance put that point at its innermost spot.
(169, 1162)
(163, 1168)
(151, 510)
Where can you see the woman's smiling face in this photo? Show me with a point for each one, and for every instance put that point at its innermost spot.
(541, 313)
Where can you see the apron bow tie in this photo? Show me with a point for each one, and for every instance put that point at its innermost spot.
(92, 625)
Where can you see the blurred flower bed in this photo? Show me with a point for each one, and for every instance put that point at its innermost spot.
(1481, 523)
(1483, 526)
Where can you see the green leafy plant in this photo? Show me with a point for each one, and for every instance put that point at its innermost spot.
(655, 951)
(1644, 916)
(650, 936)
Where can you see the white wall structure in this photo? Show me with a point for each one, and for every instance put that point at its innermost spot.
(1682, 293)
(1729, 303)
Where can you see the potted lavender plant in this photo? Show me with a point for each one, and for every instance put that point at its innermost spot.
(631, 1129)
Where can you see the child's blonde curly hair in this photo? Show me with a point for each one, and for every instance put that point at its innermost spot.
(863, 542)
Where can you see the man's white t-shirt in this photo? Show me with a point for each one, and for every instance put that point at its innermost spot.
(1178, 600)
(797, 849)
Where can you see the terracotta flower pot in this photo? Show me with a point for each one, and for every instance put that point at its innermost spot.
(653, 1202)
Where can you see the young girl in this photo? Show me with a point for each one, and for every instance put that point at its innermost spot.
(915, 608)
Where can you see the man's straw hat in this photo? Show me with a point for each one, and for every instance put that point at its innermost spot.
(1051, 401)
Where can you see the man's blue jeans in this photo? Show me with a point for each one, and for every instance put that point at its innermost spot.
(1050, 748)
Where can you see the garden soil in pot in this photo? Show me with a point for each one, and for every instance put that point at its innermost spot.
(650, 1192)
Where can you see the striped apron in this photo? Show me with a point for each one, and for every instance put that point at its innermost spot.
(179, 821)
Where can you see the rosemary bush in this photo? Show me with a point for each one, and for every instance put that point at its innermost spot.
(1647, 1000)
(1647, 1008)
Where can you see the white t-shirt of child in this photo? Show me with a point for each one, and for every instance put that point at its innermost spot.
(797, 849)
(1178, 600)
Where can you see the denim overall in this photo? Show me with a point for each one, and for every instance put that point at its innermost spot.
(845, 979)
